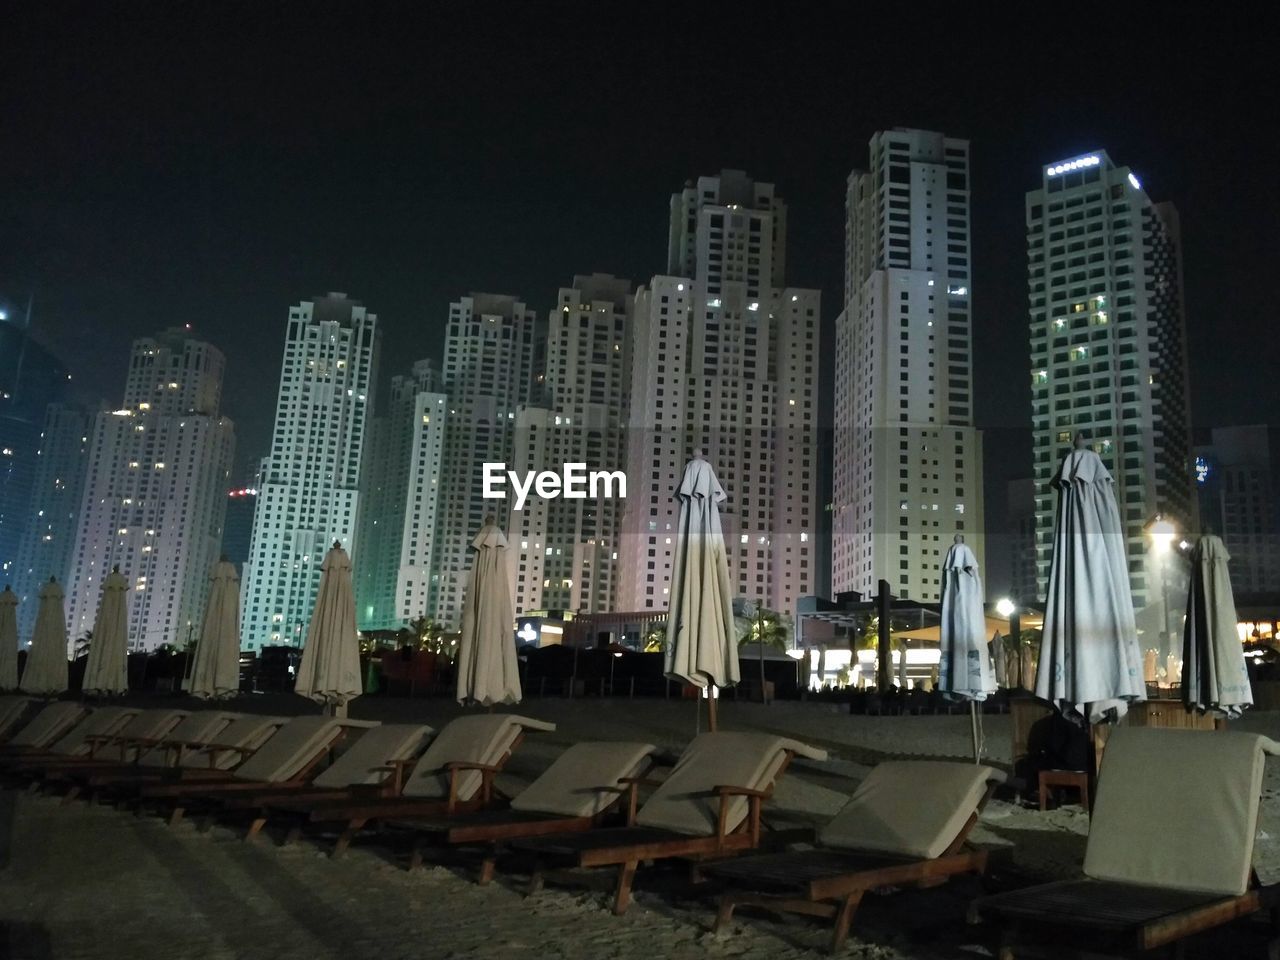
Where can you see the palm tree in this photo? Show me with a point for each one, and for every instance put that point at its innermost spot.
(767, 628)
(430, 636)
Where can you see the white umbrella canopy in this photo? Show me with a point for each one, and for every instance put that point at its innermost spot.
(216, 670)
(1213, 670)
(107, 672)
(330, 669)
(488, 671)
(8, 639)
(701, 648)
(1090, 664)
(965, 670)
(45, 672)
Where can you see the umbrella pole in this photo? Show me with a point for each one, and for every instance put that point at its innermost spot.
(976, 724)
(711, 707)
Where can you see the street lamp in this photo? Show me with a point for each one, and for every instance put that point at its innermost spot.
(1005, 607)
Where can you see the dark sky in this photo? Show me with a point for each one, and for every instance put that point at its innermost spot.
(217, 167)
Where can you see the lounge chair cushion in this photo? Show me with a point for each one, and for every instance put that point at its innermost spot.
(577, 783)
(912, 808)
(1177, 809)
(248, 732)
(686, 801)
(289, 750)
(144, 725)
(365, 761)
(481, 738)
(47, 725)
(103, 722)
(203, 726)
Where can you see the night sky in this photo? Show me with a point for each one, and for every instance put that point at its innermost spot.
(217, 168)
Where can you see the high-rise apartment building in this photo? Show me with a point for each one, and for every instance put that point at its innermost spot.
(54, 511)
(31, 378)
(399, 517)
(1238, 481)
(567, 549)
(490, 350)
(1108, 348)
(309, 495)
(724, 358)
(237, 529)
(907, 459)
(154, 494)
(1020, 517)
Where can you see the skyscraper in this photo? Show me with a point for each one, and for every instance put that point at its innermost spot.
(907, 459)
(1238, 482)
(1108, 348)
(54, 511)
(155, 492)
(567, 549)
(724, 358)
(31, 378)
(402, 484)
(242, 503)
(310, 490)
(488, 373)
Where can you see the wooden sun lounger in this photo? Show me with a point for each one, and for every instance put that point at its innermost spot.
(198, 786)
(625, 847)
(360, 806)
(493, 828)
(831, 883)
(1135, 895)
(1118, 917)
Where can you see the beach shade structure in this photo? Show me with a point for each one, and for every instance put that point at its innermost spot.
(1090, 664)
(1150, 672)
(330, 669)
(106, 674)
(216, 669)
(701, 647)
(8, 639)
(964, 669)
(487, 669)
(1213, 671)
(45, 672)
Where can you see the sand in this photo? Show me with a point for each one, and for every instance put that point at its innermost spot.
(93, 882)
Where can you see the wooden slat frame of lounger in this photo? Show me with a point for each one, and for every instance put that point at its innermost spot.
(493, 828)
(632, 844)
(1105, 914)
(832, 883)
(356, 807)
(184, 792)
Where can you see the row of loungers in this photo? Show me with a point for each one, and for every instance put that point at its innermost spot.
(1169, 854)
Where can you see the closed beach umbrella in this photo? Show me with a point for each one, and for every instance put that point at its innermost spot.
(1213, 672)
(1090, 664)
(8, 639)
(106, 674)
(999, 660)
(700, 643)
(330, 669)
(46, 670)
(488, 671)
(965, 671)
(1149, 669)
(216, 671)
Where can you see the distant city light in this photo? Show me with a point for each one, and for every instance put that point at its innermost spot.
(1202, 470)
(1078, 164)
(4, 315)
(243, 492)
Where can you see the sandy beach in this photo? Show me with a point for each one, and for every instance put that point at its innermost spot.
(93, 882)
